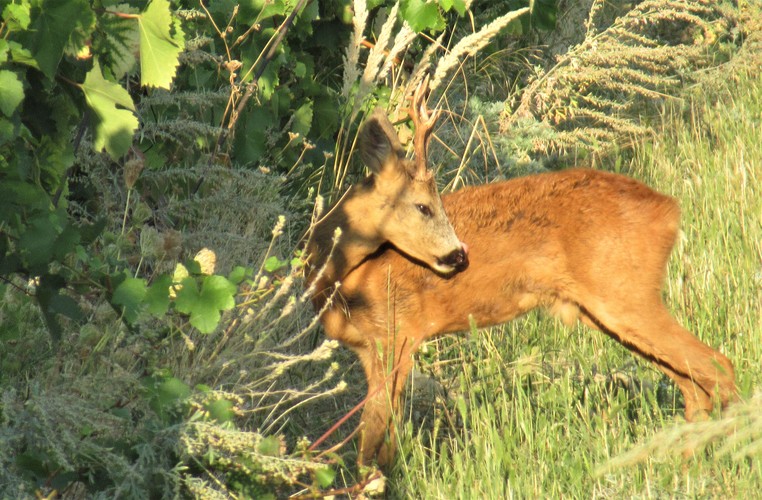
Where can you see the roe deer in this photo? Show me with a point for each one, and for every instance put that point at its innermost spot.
(583, 243)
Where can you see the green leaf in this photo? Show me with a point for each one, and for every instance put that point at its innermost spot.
(221, 410)
(303, 119)
(172, 390)
(68, 237)
(49, 298)
(157, 297)
(269, 81)
(423, 16)
(187, 296)
(238, 274)
(543, 14)
(89, 232)
(273, 264)
(270, 446)
(326, 116)
(259, 10)
(300, 69)
(11, 92)
(217, 294)
(65, 306)
(251, 136)
(130, 295)
(325, 477)
(310, 12)
(166, 394)
(114, 126)
(50, 32)
(6, 131)
(159, 48)
(117, 49)
(17, 16)
(21, 55)
(460, 7)
(36, 243)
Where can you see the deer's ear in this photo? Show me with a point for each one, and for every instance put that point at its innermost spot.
(378, 142)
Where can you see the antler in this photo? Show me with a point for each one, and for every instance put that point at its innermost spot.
(424, 121)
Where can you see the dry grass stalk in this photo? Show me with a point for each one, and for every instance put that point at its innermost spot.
(378, 54)
(352, 55)
(596, 93)
(739, 430)
(471, 44)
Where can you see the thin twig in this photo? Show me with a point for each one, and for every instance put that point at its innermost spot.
(251, 87)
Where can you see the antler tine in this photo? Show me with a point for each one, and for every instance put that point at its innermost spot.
(424, 121)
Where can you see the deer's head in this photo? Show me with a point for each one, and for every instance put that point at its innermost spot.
(404, 206)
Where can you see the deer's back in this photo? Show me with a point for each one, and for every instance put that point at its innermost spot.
(545, 239)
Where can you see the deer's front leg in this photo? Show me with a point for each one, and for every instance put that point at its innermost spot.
(386, 369)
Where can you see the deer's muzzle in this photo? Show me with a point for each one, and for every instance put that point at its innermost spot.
(457, 259)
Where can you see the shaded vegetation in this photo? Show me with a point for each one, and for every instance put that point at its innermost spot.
(159, 163)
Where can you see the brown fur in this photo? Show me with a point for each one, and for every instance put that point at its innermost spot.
(584, 244)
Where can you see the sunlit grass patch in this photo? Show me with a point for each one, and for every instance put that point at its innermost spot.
(536, 409)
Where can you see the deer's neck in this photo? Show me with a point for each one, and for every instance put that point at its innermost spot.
(331, 255)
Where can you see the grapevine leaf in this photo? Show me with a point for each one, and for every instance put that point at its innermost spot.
(17, 16)
(204, 307)
(544, 14)
(130, 294)
(67, 240)
(259, 10)
(50, 301)
(219, 292)
(6, 131)
(310, 12)
(273, 263)
(114, 127)
(238, 274)
(251, 139)
(303, 119)
(187, 295)
(11, 92)
(65, 306)
(50, 32)
(269, 81)
(120, 43)
(205, 319)
(172, 390)
(19, 54)
(159, 48)
(423, 16)
(157, 297)
(36, 243)
(460, 7)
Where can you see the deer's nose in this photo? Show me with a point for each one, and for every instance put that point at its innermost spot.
(457, 259)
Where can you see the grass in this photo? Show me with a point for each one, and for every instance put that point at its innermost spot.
(530, 409)
(534, 409)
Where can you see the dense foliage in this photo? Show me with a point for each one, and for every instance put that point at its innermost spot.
(122, 123)
(134, 135)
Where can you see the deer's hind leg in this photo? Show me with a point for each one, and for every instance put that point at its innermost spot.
(645, 326)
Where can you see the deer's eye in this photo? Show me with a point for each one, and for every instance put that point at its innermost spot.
(425, 210)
